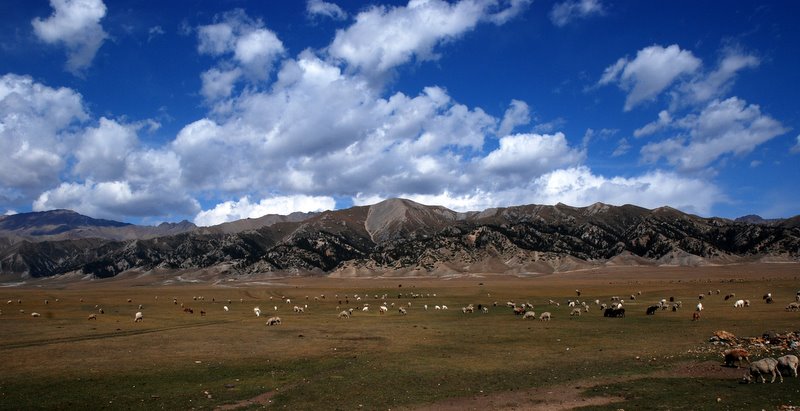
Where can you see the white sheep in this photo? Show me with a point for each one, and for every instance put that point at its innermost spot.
(344, 314)
(225, 307)
(402, 311)
(437, 307)
(699, 307)
(274, 321)
(789, 363)
(575, 312)
(545, 316)
(365, 309)
(383, 309)
(738, 304)
(529, 314)
(34, 314)
(257, 311)
(138, 317)
(426, 307)
(92, 317)
(485, 310)
(760, 368)
(444, 307)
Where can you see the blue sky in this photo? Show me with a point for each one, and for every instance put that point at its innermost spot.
(147, 111)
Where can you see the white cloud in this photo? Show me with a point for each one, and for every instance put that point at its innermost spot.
(652, 71)
(246, 47)
(715, 84)
(530, 155)
(324, 8)
(568, 11)
(36, 129)
(219, 83)
(580, 187)
(103, 150)
(796, 147)
(10, 212)
(112, 199)
(664, 120)
(622, 148)
(283, 205)
(517, 114)
(723, 127)
(154, 32)
(76, 24)
(383, 38)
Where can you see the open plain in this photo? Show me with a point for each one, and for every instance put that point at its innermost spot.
(426, 359)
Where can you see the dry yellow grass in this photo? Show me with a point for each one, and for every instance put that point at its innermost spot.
(315, 359)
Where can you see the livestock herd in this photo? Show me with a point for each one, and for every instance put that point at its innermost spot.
(760, 369)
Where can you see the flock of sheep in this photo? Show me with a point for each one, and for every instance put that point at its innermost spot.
(615, 309)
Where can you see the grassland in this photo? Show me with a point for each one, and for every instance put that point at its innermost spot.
(432, 359)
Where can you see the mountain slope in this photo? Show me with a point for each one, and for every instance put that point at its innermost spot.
(403, 237)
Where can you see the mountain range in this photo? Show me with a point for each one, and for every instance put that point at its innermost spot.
(394, 237)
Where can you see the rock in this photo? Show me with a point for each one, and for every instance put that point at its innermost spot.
(725, 336)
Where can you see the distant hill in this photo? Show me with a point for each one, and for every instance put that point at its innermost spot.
(398, 237)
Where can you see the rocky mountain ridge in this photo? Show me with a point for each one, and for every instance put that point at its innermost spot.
(401, 237)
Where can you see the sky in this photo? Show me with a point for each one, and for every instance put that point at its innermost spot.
(211, 111)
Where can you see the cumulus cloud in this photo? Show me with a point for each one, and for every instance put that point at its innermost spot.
(324, 8)
(36, 129)
(247, 49)
(112, 199)
(530, 155)
(723, 127)
(282, 205)
(517, 114)
(568, 11)
(103, 150)
(76, 25)
(385, 37)
(578, 186)
(653, 70)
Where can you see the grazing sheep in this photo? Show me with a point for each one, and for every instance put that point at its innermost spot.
(789, 363)
(485, 310)
(444, 307)
(202, 313)
(696, 316)
(92, 317)
(603, 306)
(225, 307)
(35, 315)
(767, 295)
(344, 314)
(299, 310)
(699, 307)
(365, 309)
(383, 309)
(188, 310)
(651, 310)
(100, 310)
(468, 309)
(437, 307)
(793, 306)
(426, 307)
(738, 304)
(257, 311)
(138, 317)
(274, 321)
(575, 312)
(760, 368)
(529, 314)
(734, 355)
(402, 311)
(545, 316)
(519, 310)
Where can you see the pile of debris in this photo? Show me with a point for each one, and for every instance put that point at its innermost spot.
(769, 343)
